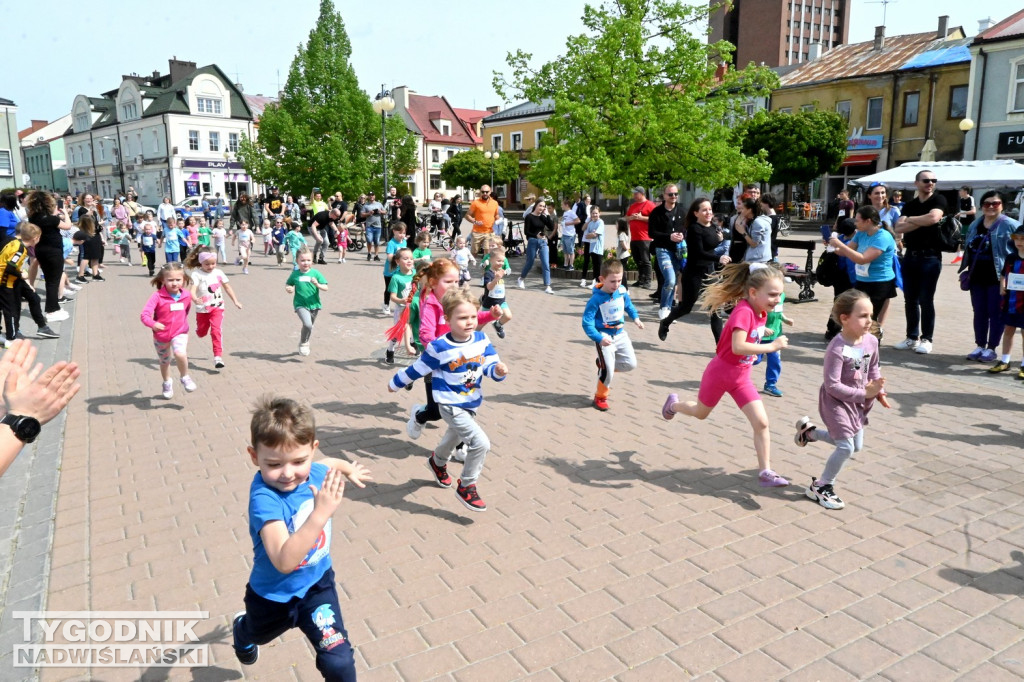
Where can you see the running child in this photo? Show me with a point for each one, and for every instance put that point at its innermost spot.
(220, 241)
(1012, 288)
(593, 236)
(147, 247)
(291, 501)
(123, 239)
(205, 232)
(755, 289)
(278, 236)
(306, 284)
(172, 239)
(208, 286)
(166, 313)
(773, 361)
(852, 383)
(295, 242)
(462, 257)
(14, 288)
(457, 361)
(400, 287)
(422, 254)
(191, 237)
(342, 239)
(245, 238)
(494, 287)
(604, 321)
(396, 242)
(267, 234)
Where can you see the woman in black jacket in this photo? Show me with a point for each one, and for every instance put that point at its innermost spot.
(408, 215)
(704, 253)
(455, 212)
(243, 211)
(42, 211)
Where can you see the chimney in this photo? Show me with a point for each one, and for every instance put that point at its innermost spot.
(239, 86)
(813, 51)
(879, 37)
(179, 68)
(985, 24)
(723, 68)
(494, 109)
(943, 27)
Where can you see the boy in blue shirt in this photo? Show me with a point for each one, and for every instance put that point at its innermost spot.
(396, 243)
(291, 501)
(173, 237)
(604, 319)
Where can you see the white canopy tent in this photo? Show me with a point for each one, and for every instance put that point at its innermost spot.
(952, 175)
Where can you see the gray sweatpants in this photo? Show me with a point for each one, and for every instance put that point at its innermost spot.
(845, 447)
(308, 319)
(462, 428)
(617, 356)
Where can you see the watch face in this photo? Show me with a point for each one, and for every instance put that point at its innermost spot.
(26, 429)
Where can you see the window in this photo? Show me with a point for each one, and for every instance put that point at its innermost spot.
(208, 105)
(1017, 88)
(156, 143)
(537, 135)
(806, 107)
(6, 167)
(81, 122)
(214, 141)
(233, 142)
(435, 157)
(103, 150)
(517, 141)
(129, 111)
(496, 142)
(911, 103)
(450, 155)
(435, 181)
(874, 113)
(747, 108)
(958, 101)
(786, 110)
(193, 140)
(446, 130)
(843, 109)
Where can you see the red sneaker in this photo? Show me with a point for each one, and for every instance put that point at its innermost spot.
(601, 403)
(469, 498)
(441, 476)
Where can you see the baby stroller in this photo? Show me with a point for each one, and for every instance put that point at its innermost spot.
(513, 243)
(439, 235)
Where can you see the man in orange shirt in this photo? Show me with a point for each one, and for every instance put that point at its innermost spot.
(482, 213)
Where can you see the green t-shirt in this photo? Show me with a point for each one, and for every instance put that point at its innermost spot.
(307, 295)
(486, 262)
(204, 235)
(422, 254)
(400, 284)
(774, 321)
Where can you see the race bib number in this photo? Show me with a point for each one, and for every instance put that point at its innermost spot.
(853, 353)
(862, 269)
(305, 279)
(1015, 282)
(613, 310)
(177, 307)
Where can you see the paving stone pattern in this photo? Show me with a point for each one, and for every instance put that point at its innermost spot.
(616, 545)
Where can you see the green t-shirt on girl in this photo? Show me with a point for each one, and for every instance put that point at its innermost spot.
(307, 294)
(204, 235)
(422, 254)
(401, 284)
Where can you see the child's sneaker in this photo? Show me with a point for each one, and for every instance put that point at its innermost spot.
(245, 271)
(666, 409)
(772, 390)
(804, 431)
(413, 427)
(386, 309)
(601, 403)
(440, 473)
(187, 382)
(999, 367)
(824, 495)
(770, 479)
(469, 498)
(459, 453)
(583, 283)
(499, 329)
(303, 349)
(389, 357)
(247, 654)
(218, 362)
(168, 390)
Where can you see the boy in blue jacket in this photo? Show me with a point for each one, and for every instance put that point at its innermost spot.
(604, 321)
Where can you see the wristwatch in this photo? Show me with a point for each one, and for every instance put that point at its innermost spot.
(25, 429)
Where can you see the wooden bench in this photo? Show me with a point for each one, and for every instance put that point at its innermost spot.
(805, 278)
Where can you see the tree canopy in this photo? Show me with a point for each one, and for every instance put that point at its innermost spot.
(323, 131)
(801, 146)
(471, 169)
(638, 101)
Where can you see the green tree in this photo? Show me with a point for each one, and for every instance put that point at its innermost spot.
(472, 169)
(801, 146)
(638, 101)
(323, 132)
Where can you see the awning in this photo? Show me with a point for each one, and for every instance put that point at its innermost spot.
(859, 159)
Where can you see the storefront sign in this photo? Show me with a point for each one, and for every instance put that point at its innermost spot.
(211, 165)
(1011, 143)
(856, 142)
(191, 188)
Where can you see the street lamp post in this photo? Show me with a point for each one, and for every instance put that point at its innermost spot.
(966, 126)
(382, 105)
(492, 156)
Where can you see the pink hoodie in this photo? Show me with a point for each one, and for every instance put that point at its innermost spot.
(173, 314)
(432, 323)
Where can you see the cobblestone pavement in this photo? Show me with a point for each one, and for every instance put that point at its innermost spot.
(616, 545)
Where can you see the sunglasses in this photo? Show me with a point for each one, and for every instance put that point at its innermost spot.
(930, 181)
(876, 184)
(671, 194)
(991, 204)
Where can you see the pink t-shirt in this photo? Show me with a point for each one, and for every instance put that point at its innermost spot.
(742, 317)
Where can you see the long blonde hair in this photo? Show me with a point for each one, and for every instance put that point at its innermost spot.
(731, 284)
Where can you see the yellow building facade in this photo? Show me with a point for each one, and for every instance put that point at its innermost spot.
(517, 130)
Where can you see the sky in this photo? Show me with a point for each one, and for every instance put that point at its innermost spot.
(451, 50)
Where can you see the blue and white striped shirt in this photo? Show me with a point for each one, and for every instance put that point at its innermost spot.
(457, 368)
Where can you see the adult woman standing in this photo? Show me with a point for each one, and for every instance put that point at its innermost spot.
(872, 251)
(243, 212)
(120, 213)
(888, 214)
(455, 213)
(987, 246)
(407, 214)
(165, 213)
(756, 230)
(705, 250)
(539, 227)
(42, 211)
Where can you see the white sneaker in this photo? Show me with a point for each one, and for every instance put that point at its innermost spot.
(663, 313)
(906, 344)
(413, 427)
(168, 391)
(548, 290)
(583, 283)
(924, 347)
(386, 310)
(520, 283)
(57, 316)
(303, 349)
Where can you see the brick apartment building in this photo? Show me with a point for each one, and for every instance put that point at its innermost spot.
(750, 26)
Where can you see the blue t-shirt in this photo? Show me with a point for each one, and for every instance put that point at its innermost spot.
(148, 241)
(267, 504)
(880, 269)
(393, 247)
(172, 236)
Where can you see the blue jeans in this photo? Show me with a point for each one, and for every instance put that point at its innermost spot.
(920, 278)
(772, 368)
(669, 264)
(532, 247)
(373, 235)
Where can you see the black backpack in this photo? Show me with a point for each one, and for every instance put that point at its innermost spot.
(949, 234)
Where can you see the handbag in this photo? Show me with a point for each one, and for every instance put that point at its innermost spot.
(965, 280)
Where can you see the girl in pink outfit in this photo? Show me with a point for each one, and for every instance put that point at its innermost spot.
(754, 288)
(209, 285)
(166, 313)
